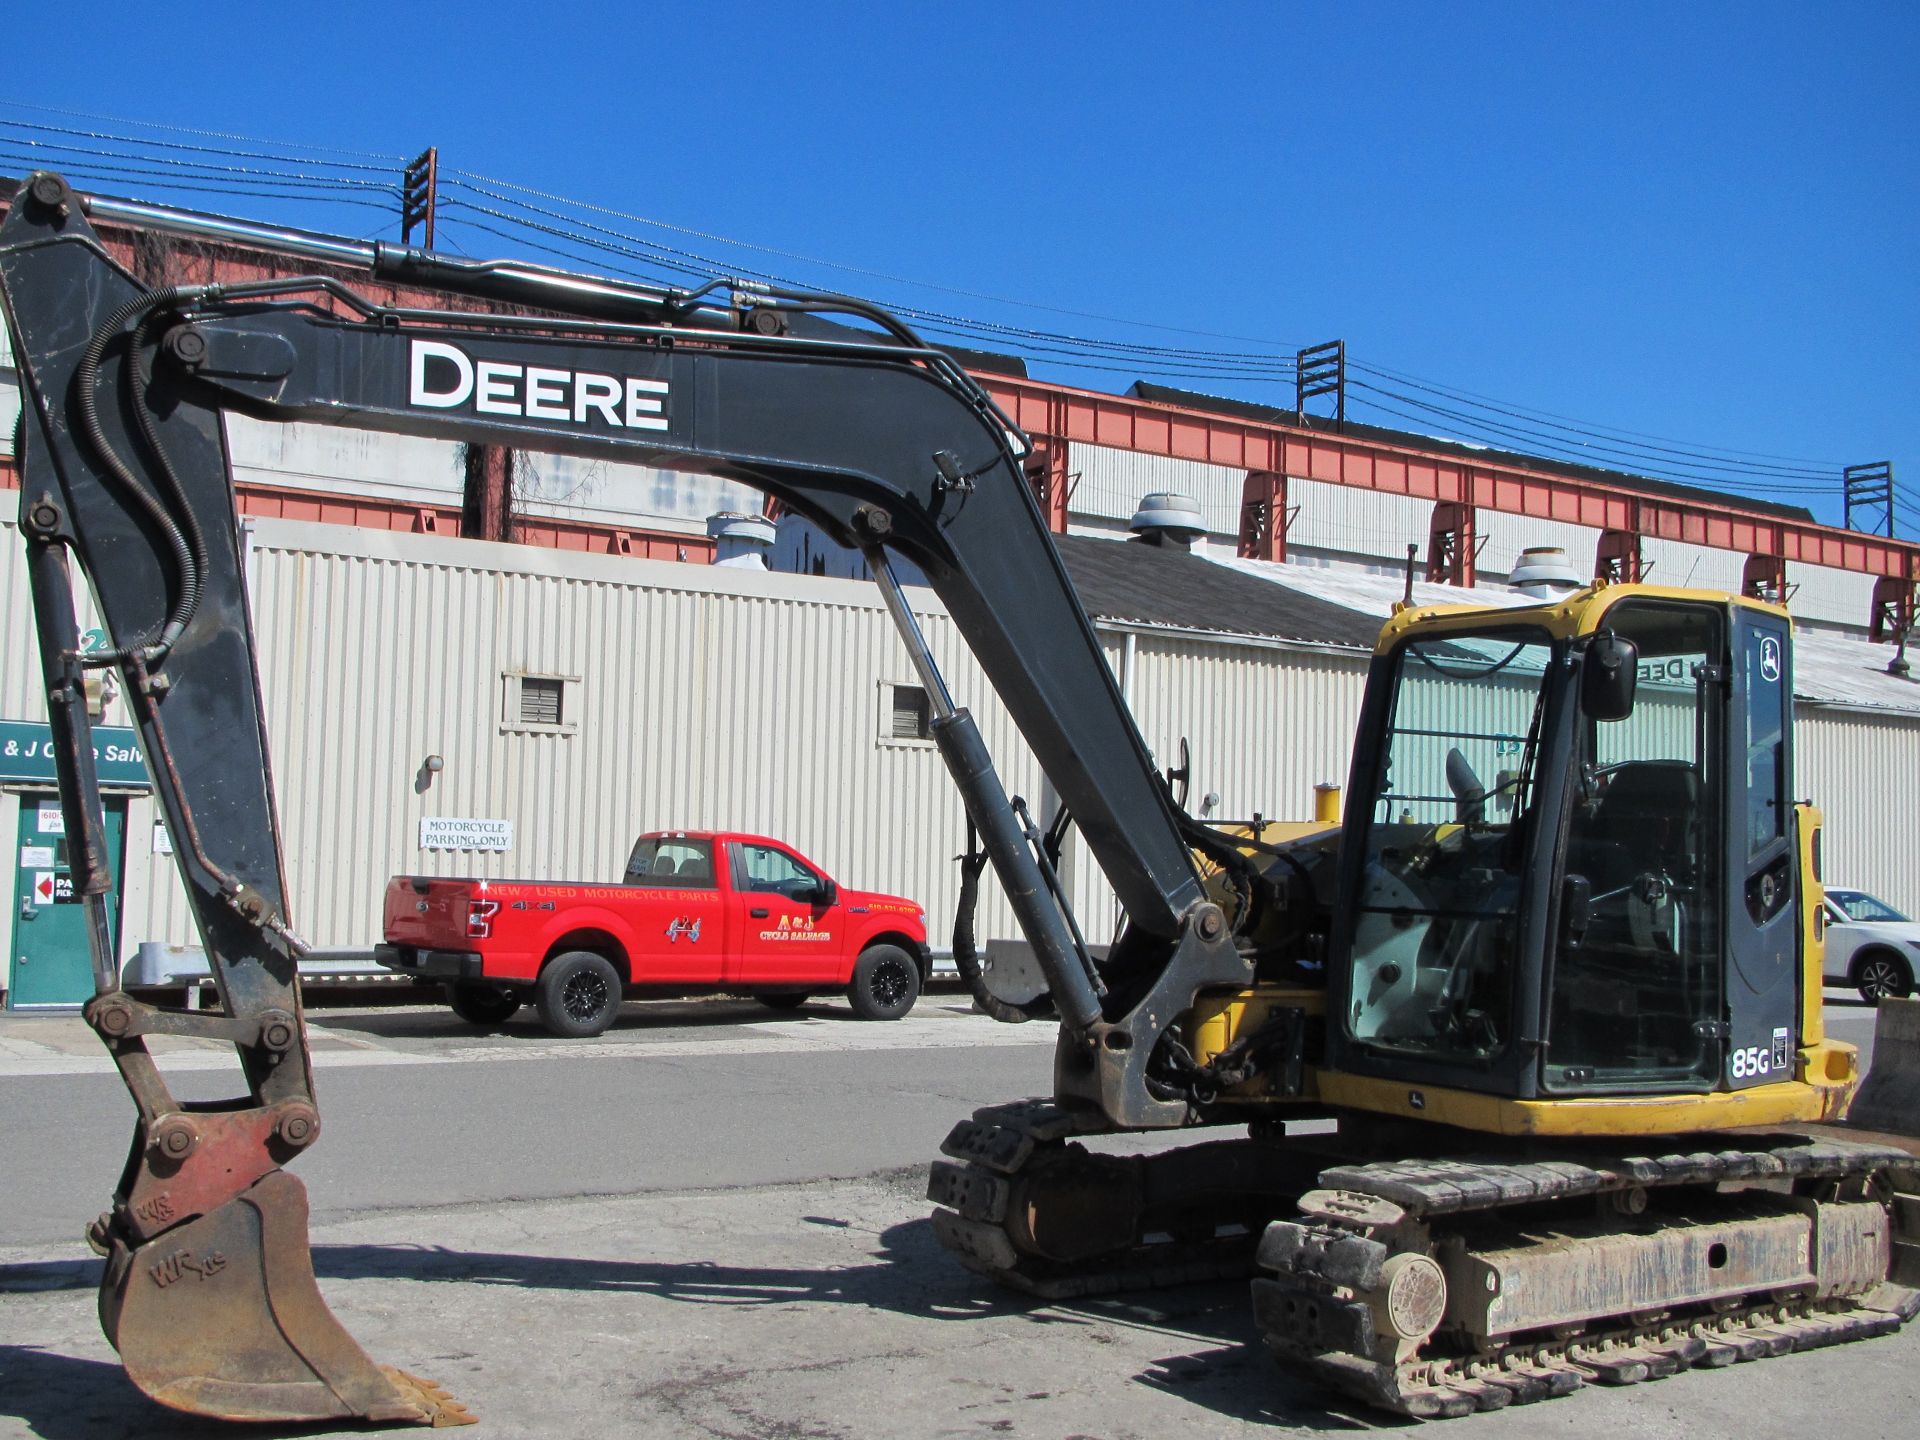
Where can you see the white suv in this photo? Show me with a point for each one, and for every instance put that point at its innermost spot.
(1870, 945)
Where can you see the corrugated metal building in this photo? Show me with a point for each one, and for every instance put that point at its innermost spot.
(693, 695)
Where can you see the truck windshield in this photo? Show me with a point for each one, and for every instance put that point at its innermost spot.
(1436, 933)
(671, 862)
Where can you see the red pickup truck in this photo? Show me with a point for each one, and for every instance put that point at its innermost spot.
(697, 911)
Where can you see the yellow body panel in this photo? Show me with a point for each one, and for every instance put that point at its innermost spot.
(1581, 613)
(1813, 927)
(1813, 1097)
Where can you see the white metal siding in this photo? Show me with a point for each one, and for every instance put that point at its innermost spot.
(1863, 771)
(1347, 520)
(1836, 597)
(703, 697)
(1672, 562)
(1504, 536)
(1110, 482)
(746, 700)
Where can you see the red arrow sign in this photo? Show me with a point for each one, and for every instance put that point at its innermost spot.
(43, 887)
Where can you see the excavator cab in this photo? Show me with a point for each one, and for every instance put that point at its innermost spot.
(1571, 857)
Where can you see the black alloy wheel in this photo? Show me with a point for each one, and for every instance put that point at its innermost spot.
(1880, 974)
(886, 982)
(578, 995)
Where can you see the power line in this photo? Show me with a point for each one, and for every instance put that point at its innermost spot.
(567, 233)
(1703, 468)
(395, 160)
(1551, 415)
(190, 149)
(1707, 454)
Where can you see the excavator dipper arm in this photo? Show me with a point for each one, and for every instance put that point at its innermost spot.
(883, 441)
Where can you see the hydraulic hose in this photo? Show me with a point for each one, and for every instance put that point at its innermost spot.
(187, 545)
(966, 955)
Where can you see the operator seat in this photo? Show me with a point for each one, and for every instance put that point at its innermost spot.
(664, 865)
(1645, 821)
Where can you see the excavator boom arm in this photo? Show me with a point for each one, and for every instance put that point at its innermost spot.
(883, 441)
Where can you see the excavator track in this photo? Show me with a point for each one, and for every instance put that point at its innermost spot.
(1435, 1288)
(1026, 1206)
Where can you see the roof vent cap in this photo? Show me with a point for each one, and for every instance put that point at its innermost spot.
(1165, 518)
(741, 541)
(1545, 573)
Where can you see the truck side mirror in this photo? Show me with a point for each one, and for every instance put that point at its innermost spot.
(826, 893)
(1608, 673)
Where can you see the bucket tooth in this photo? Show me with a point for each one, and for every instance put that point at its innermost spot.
(222, 1316)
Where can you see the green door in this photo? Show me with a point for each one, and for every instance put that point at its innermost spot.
(49, 964)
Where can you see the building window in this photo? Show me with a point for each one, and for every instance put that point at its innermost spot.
(539, 704)
(904, 714)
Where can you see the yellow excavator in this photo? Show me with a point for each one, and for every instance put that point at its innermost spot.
(1557, 980)
(1519, 1071)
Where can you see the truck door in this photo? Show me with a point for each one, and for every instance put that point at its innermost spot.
(787, 935)
(680, 926)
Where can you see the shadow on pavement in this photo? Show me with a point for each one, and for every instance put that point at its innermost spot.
(62, 1397)
(1215, 1360)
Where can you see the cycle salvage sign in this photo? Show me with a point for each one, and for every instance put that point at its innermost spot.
(26, 753)
(447, 832)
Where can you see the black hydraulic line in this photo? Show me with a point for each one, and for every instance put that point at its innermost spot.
(966, 949)
(186, 555)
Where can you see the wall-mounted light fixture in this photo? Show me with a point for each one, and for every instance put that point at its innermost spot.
(423, 777)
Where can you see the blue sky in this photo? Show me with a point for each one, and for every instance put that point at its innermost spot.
(1698, 223)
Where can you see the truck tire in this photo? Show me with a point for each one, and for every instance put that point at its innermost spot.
(783, 999)
(578, 994)
(1880, 972)
(886, 982)
(482, 1004)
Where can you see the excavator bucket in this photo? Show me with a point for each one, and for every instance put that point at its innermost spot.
(222, 1317)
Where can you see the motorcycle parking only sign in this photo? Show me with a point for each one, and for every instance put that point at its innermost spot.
(447, 832)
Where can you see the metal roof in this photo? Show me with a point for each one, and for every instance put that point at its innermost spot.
(1159, 585)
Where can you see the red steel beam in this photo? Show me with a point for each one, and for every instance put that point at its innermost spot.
(1123, 423)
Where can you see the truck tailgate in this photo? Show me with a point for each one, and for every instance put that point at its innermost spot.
(429, 913)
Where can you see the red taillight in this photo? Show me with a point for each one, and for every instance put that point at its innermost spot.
(480, 915)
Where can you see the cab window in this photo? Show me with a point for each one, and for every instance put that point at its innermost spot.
(764, 868)
(671, 862)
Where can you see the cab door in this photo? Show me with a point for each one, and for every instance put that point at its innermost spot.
(1763, 876)
(787, 934)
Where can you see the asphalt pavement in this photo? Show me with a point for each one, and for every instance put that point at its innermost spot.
(710, 1224)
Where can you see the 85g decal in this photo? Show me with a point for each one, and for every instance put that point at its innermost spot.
(1753, 1061)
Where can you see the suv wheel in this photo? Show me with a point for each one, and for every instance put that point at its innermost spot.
(1880, 973)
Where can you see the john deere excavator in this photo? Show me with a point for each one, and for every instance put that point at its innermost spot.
(1555, 981)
